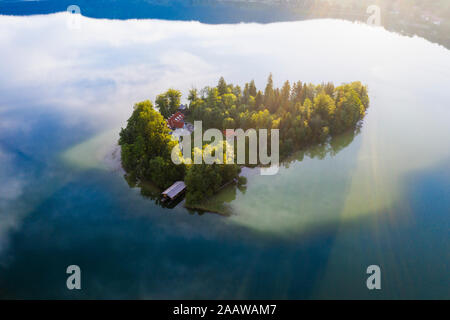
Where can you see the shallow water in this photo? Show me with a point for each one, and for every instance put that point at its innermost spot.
(308, 232)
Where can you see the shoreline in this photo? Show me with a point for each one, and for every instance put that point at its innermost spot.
(205, 209)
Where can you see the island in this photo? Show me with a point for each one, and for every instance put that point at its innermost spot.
(304, 114)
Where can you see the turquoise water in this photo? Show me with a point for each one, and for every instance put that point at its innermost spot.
(381, 197)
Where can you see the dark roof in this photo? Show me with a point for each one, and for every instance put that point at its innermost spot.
(174, 189)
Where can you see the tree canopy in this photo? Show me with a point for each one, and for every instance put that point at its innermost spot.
(146, 146)
(168, 102)
(305, 113)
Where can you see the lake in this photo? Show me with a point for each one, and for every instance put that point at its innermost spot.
(378, 197)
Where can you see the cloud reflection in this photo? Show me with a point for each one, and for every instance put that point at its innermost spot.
(94, 75)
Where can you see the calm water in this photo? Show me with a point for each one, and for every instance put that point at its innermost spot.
(380, 197)
(207, 11)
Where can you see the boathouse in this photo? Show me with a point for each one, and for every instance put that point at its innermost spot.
(174, 191)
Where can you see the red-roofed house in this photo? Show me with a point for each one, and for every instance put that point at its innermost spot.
(176, 120)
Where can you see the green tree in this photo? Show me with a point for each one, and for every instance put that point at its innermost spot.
(324, 105)
(203, 180)
(252, 88)
(285, 95)
(296, 94)
(269, 95)
(222, 86)
(259, 100)
(228, 123)
(193, 95)
(146, 137)
(168, 102)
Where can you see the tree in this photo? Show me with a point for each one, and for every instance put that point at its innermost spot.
(296, 93)
(236, 91)
(162, 102)
(193, 95)
(168, 102)
(228, 100)
(213, 99)
(349, 108)
(203, 180)
(228, 123)
(246, 94)
(269, 95)
(163, 172)
(259, 100)
(252, 88)
(324, 105)
(329, 88)
(145, 138)
(222, 86)
(285, 95)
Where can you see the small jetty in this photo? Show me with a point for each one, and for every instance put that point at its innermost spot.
(174, 191)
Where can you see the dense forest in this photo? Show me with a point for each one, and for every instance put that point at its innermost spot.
(304, 113)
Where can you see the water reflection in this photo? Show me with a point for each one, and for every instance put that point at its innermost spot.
(401, 97)
(222, 201)
(152, 192)
(424, 19)
(330, 148)
(379, 194)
